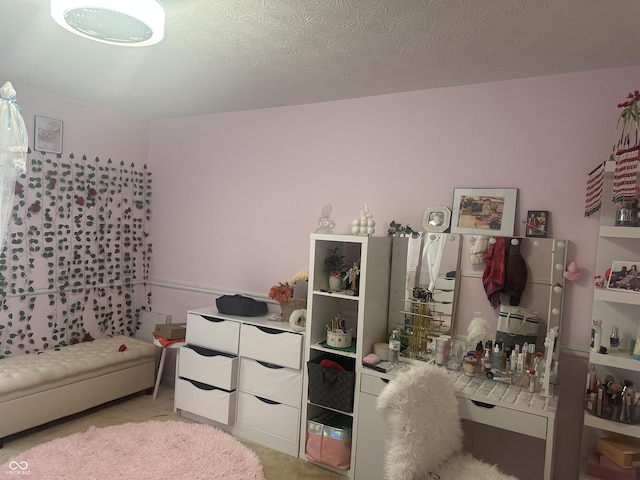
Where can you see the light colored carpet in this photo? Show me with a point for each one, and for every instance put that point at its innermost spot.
(140, 408)
(145, 451)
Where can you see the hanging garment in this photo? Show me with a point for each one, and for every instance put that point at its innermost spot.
(515, 273)
(494, 271)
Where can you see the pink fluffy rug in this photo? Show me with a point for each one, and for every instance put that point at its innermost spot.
(151, 450)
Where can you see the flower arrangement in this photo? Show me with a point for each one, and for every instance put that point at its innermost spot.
(630, 110)
(283, 291)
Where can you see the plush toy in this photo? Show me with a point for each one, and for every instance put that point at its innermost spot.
(298, 320)
(572, 273)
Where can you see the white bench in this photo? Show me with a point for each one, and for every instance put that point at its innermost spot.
(38, 388)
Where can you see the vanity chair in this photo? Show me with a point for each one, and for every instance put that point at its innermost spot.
(425, 433)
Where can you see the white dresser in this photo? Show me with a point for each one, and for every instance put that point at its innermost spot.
(243, 374)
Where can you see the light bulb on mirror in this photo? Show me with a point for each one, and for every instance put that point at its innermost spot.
(557, 288)
(555, 311)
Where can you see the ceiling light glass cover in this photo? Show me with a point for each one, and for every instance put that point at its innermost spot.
(134, 23)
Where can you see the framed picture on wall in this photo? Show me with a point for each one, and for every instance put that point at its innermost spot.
(47, 135)
(436, 219)
(624, 276)
(484, 211)
(537, 221)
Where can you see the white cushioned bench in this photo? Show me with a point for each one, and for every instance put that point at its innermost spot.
(38, 388)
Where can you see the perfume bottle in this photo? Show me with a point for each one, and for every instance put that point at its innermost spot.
(614, 339)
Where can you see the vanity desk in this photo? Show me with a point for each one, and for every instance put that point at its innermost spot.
(480, 400)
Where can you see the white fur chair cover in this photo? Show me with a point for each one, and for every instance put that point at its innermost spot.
(425, 434)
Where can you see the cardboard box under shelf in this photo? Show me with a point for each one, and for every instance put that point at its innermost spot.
(171, 331)
(621, 450)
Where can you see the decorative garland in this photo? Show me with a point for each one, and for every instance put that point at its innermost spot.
(78, 249)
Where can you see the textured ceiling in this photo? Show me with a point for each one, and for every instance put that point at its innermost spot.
(229, 55)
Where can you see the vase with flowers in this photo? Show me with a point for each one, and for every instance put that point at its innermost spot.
(292, 294)
(334, 264)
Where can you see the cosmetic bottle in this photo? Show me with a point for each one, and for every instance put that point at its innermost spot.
(496, 355)
(614, 339)
(504, 359)
(394, 348)
(488, 360)
(514, 358)
(596, 336)
(592, 378)
(532, 380)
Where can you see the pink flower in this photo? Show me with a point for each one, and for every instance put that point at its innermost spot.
(80, 201)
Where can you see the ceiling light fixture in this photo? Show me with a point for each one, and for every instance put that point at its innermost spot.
(132, 23)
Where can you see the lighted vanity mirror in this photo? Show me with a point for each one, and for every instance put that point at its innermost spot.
(424, 279)
(458, 291)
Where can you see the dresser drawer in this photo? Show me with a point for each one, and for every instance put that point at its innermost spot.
(271, 345)
(208, 366)
(281, 384)
(214, 333)
(275, 419)
(502, 417)
(206, 401)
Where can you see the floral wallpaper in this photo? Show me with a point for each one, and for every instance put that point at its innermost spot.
(78, 253)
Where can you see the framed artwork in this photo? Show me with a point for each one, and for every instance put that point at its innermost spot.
(624, 276)
(537, 221)
(47, 135)
(436, 219)
(484, 211)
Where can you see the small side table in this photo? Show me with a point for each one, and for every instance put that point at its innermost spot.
(163, 358)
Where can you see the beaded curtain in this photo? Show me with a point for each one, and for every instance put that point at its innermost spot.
(77, 255)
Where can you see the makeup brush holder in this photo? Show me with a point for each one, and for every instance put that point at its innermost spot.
(339, 339)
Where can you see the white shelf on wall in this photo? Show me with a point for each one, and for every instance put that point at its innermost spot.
(616, 296)
(611, 426)
(615, 360)
(619, 232)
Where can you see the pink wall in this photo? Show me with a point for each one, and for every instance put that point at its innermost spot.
(242, 191)
(86, 130)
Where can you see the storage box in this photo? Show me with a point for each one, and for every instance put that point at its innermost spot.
(171, 331)
(329, 440)
(601, 467)
(331, 387)
(621, 450)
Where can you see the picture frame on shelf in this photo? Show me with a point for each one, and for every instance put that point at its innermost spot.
(437, 219)
(47, 135)
(537, 223)
(624, 276)
(484, 211)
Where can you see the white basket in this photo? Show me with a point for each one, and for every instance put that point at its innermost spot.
(339, 339)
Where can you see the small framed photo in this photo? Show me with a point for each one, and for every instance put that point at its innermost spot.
(537, 221)
(436, 219)
(47, 135)
(624, 276)
(484, 211)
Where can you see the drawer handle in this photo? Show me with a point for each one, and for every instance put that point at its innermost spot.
(213, 319)
(267, 401)
(482, 404)
(270, 331)
(204, 386)
(269, 365)
(205, 352)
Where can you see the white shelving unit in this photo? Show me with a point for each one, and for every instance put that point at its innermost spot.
(365, 313)
(621, 308)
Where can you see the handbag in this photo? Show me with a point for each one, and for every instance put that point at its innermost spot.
(241, 305)
(331, 387)
(516, 325)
